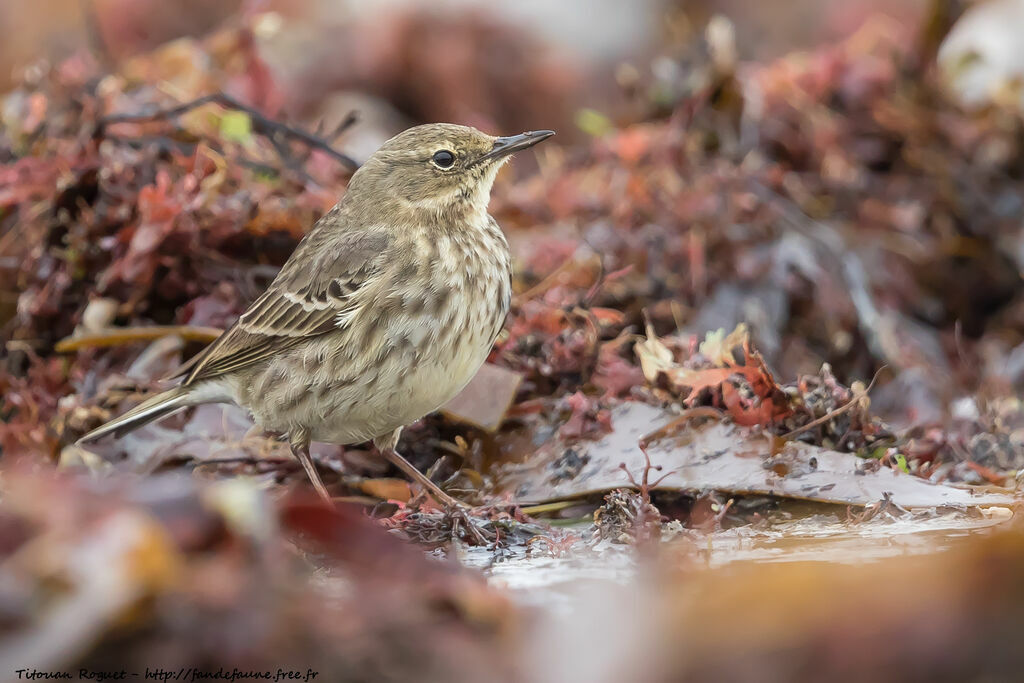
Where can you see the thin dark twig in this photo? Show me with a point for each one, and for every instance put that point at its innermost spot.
(677, 423)
(838, 411)
(351, 119)
(245, 460)
(290, 161)
(261, 124)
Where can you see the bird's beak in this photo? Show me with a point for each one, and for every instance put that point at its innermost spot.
(513, 143)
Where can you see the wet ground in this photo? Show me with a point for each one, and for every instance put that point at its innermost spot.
(800, 534)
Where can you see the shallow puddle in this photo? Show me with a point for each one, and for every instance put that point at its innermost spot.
(544, 579)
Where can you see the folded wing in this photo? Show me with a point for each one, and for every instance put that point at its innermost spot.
(315, 290)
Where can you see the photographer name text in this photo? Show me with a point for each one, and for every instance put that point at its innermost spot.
(165, 675)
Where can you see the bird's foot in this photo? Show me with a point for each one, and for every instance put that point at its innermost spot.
(460, 518)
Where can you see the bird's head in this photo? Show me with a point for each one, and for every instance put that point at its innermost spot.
(438, 168)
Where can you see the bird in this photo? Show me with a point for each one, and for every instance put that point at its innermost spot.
(385, 310)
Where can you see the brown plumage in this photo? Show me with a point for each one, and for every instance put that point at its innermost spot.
(385, 310)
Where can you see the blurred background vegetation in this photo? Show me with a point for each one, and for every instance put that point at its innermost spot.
(750, 210)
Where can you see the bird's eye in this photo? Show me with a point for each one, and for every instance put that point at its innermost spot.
(444, 158)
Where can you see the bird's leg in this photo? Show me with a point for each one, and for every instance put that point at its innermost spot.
(401, 463)
(300, 449)
(455, 509)
(386, 446)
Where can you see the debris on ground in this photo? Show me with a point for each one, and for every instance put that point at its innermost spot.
(763, 311)
(809, 264)
(135, 572)
(713, 454)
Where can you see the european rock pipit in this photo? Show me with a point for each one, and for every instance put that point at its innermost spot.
(384, 312)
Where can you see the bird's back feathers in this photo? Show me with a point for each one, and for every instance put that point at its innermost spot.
(311, 293)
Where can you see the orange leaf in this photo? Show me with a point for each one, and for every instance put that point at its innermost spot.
(758, 413)
(608, 315)
(697, 380)
(386, 488)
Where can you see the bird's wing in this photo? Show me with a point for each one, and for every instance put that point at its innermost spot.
(311, 294)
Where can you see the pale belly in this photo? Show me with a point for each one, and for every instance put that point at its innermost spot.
(349, 398)
(424, 388)
(404, 354)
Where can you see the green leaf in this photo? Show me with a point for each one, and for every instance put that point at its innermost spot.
(593, 122)
(877, 453)
(901, 462)
(236, 126)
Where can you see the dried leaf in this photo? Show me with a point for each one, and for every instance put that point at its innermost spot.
(386, 488)
(655, 358)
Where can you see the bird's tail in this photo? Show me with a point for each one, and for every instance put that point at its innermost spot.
(159, 406)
